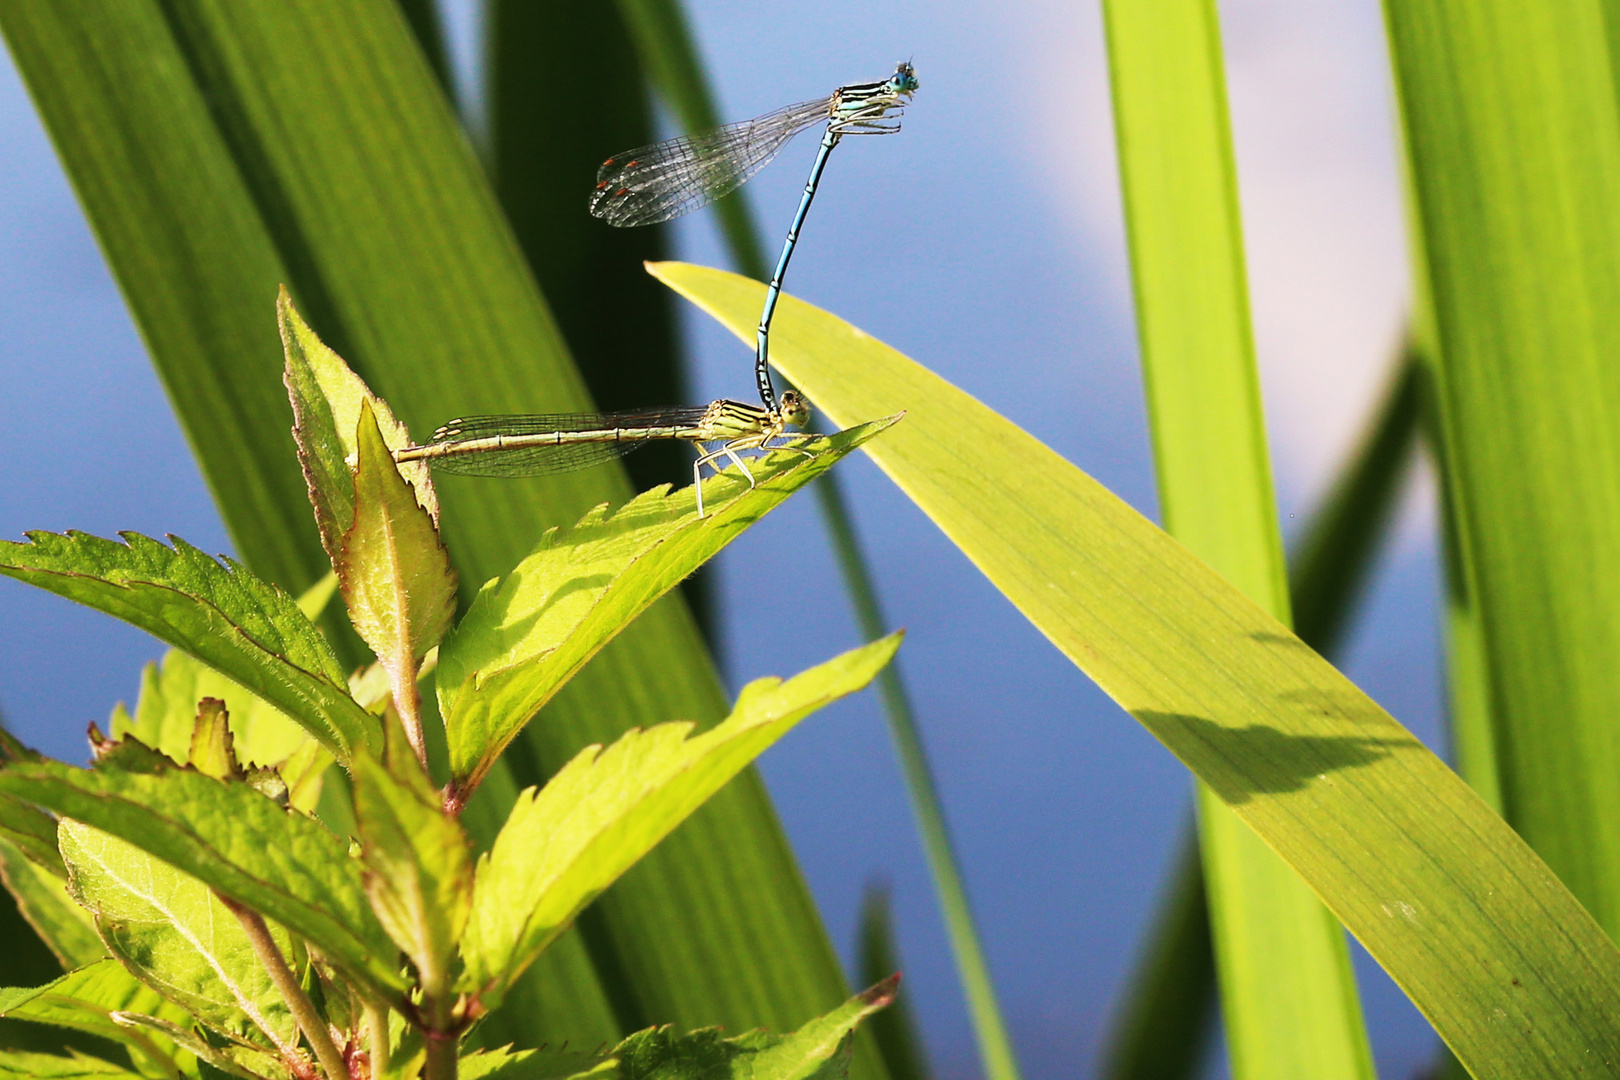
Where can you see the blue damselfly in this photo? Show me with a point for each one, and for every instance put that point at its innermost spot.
(665, 180)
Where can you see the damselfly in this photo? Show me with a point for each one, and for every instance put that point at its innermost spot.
(561, 442)
(665, 180)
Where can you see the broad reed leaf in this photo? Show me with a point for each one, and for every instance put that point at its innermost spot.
(1419, 868)
(1513, 139)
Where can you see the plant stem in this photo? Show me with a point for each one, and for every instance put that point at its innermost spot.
(377, 1036)
(408, 702)
(441, 1056)
(298, 1003)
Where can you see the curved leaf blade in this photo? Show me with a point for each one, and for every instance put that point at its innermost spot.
(43, 900)
(86, 999)
(327, 400)
(527, 633)
(287, 866)
(1513, 973)
(28, 1066)
(564, 844)
(241, 626)
(173, 933)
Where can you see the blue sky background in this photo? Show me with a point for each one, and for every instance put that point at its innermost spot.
(985, 241)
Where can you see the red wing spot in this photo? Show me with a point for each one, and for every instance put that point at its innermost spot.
(631, 164)
(602, 185)
(621, 191)
(606, 163)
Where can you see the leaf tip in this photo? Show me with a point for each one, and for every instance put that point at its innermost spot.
(880, 995)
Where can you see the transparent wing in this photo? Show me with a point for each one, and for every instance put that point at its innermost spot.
(665, 180)
(464, 445)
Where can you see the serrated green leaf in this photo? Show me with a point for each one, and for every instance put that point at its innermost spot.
(289, 867)
(393, 569)
(175, 935)
(233, 1059)
(509, 1064)
(27, 1066)
(820, 1050)
(30, 830)
(1412, 861)
(237, 624)
(327, 400)
(43, 900)
(212, 751)
(527, 633)
(564, 844)
(87, 999)
(263, 735)
(419, 871)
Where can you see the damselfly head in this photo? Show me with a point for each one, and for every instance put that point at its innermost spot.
(795, 411)
(904, 79)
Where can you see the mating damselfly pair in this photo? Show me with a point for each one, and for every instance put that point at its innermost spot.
(652, 184)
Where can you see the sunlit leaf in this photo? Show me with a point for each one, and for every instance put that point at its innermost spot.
(570, 840)
(241, 626)
(327, 400)
(242, 844)
(26, 1066)
(174, 933)
(1418, 867)
(528, 632)
(87, 999)
(419, 871)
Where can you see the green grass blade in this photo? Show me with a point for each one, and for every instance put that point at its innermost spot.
(1174, 988)
(1514, 142)
(1404, 853)
(222, 148)
(553, 118)
(1287, 992)
(1335, 553)
(428, 29)
(989, 1028)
